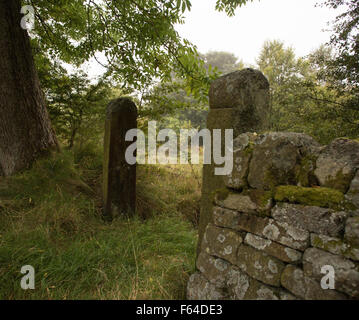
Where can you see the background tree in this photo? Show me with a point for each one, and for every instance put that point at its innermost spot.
(343, 69)
(285, 73)
(345, 39)
(224, 62)
(173, 105)
(137, 38)
(304, 98)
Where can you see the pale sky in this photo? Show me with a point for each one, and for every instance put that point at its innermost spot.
(296, 22)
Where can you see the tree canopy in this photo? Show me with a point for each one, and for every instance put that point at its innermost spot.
(346, 41)
(137, 37)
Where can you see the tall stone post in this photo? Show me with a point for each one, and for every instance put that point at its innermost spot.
(240, 101)
(119, 177)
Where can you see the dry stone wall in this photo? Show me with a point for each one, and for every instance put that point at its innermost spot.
(240, 101)
(289, 208)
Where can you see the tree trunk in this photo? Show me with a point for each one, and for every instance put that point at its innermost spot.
(25, 127)
(72, 139)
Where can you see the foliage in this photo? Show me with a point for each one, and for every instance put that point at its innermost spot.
(302, 98)
(285, 73)
(76, 105)
(342, 69)
(229, 6)
(174, 106)
(136, 37)
(345, 38)
(222, 61)
(139, 44)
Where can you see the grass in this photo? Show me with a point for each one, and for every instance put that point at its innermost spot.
(50, 218)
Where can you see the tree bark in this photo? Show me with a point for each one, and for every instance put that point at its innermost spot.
(25, 128)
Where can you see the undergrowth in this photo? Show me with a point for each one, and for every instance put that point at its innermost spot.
(50, 218)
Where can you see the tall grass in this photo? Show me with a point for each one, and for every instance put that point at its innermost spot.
(50, 218)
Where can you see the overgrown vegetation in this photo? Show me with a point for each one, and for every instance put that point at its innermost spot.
(50, 215)
(50, 218)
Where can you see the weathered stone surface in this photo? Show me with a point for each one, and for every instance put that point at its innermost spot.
(243, 287)
(239, 101)
(242, 153)
(245, 89)
(238, 202)
(314, 219)
(213, 269)
(352, 231)
(277, 159)
(264, 227)
(217, 119)
(119, 177)
(304, 287)
(222, 243)
(225, 218)
(337, 164)
(259, 265)
(277, 231)
(272, 248)
(240, 285)
(346, 271)
(243, 203)
(199, 288)
(335, 246)
(353, 193)
(225, 277)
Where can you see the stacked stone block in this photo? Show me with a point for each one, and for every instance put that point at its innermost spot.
(239, 101)
(290, 207)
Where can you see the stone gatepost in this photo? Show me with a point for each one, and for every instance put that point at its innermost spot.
(119, 177)
(240, 101)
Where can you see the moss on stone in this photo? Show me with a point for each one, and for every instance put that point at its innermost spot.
(249, 149)
(270, 178)
(274, 177)
(329, 245)
(321, 197)
(260, 197)
(340, 182)
(305, 170)
(317, 242)
(336, 246)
